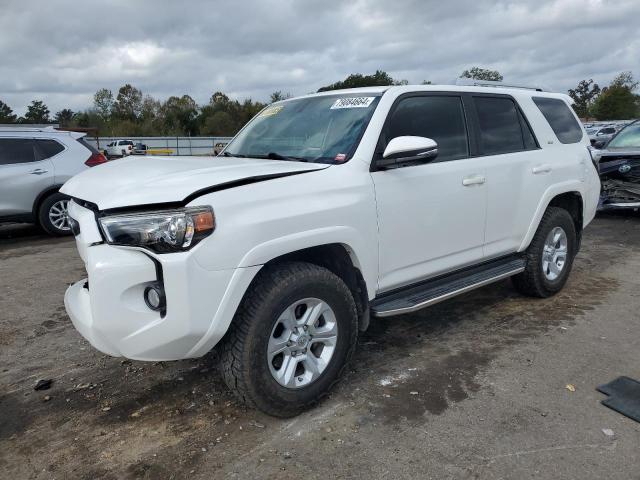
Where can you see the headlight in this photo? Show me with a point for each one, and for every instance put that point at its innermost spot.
(161, 231)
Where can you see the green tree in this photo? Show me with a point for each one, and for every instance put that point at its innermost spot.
(478, 73)
(219, 124)
(179, 115)
(583, 96)
(64, 117)
(103, 103)
(128, 104)
(617, 101)
(278, 95)
(37, 112)
(89, 118)
(223, 116)
(380, 78)
(6, 113)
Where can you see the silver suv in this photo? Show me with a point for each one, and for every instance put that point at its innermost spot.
(34, 163)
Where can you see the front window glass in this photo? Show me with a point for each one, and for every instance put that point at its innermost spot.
(438, 117)
(323, 129)
(627, 138)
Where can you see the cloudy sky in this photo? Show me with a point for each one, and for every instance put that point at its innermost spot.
(63, 51)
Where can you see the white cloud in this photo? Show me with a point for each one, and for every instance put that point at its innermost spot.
(63, 51)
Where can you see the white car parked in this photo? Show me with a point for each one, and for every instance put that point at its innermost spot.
(34, 163)
(119, 148)
(323, 211)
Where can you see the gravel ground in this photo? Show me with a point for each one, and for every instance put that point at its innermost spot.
(475, 387)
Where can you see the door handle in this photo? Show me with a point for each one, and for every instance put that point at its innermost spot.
(473, 180)
(541, 169)
(38, 171)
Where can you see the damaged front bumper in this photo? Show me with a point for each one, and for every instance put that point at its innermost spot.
(620, 179)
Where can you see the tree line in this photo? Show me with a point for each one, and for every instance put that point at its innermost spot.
(131, 113)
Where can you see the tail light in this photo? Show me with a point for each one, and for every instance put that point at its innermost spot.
(95, 159)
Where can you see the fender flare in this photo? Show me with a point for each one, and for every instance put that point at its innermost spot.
(549, 194)
(348, 237)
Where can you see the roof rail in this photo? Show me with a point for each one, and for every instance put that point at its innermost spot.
(21, 128)
(471, 82)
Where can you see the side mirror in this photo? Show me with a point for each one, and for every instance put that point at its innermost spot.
(401, 150)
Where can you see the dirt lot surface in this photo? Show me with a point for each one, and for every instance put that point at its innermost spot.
(472, 388)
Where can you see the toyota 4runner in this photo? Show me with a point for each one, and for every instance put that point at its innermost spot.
(324, 211)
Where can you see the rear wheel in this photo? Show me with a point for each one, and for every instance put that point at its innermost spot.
(53, 215)
(291, 338)
(550, 255)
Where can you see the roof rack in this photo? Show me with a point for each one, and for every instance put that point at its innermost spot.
(17, 128)
(470, 82)
(21, 128)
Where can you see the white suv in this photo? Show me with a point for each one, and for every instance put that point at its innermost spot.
(323, 211)
(34, 163)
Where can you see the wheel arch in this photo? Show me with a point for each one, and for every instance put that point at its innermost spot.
(342, 261)
(569, 197)
(41, 198)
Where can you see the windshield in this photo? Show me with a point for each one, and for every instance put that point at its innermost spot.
(323, 129)
(627, 138)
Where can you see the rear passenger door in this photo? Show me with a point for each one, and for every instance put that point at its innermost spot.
(430, 216)
(23, 175)
(516, 174)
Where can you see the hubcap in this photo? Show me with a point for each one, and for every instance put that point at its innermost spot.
(554, 254)
(302, 343)
(59, 215)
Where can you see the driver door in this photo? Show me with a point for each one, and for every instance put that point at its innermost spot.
(431, 216)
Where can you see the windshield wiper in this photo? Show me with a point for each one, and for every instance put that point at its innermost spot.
(277, 156)
(227, 154)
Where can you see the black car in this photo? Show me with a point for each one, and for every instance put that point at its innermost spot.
(619, 166)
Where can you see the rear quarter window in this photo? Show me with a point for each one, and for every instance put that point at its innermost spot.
(48, 148)
(560, 118)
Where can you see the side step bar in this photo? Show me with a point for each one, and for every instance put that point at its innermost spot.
(415, 297)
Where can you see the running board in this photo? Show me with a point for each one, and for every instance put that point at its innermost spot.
(417, 296)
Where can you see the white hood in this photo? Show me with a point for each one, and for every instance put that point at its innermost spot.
(148, 180)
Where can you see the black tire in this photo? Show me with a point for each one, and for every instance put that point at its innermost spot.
(243, 350)
(533, 282)
(43, 215)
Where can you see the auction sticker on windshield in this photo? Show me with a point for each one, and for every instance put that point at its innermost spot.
(352, 102)
(270, 111)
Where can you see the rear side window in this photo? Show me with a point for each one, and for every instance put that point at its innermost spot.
(440, 118)
(48, 148)
(562, 121)
(16, 150)
(499, 122)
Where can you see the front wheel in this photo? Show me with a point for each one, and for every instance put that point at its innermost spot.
(549, 256)
(291, 338)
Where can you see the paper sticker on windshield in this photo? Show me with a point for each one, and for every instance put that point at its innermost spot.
(271, 111)
(352, 102)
